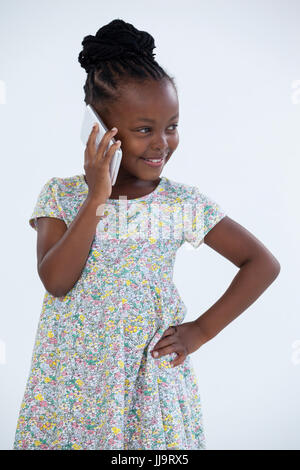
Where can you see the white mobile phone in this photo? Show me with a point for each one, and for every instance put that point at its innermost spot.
(89, 119)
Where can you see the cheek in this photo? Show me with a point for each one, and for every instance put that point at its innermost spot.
(132, 148)
(175, 141)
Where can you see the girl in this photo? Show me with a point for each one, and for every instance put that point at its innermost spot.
(111, 364)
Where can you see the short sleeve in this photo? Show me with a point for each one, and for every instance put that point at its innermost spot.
(200, 216)
(47, 204)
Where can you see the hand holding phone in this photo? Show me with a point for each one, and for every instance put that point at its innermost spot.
(90, 118)
(97, 163)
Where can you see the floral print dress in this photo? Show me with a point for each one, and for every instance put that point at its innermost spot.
(93, 382)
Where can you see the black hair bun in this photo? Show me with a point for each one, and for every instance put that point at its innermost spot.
(115, 40)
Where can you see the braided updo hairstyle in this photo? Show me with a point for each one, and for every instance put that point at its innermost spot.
(118, 53)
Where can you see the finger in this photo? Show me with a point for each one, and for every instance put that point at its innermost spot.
(91, 142)
(105, 141)
(166, 341)
(169, 331)
(165, 349)
(112, 149)
(93, 132)
(178, 360)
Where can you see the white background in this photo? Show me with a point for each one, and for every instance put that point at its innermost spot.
(235, 63)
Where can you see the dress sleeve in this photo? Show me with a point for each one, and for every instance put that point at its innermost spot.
(200, 217)
(47, 204)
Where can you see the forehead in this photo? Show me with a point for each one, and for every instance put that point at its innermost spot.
(153, 100)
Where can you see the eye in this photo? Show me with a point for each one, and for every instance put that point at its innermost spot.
(172, 125)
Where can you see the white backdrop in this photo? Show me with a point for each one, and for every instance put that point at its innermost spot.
(236, 65)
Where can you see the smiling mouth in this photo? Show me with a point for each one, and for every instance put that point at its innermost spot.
(156, 159)
(154, 162)
(153, 159)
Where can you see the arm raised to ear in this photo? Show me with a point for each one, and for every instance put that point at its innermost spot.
(62, 252)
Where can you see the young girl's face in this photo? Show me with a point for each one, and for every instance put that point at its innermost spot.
(141, 138)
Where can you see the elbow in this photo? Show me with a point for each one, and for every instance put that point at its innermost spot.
(49, 281)
(54, 284)
(266, 265)
(272, 266)
(276, 268)
(51, 287)
(55, 292)
(58, 294)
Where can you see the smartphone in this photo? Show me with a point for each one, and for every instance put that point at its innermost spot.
(89, 119)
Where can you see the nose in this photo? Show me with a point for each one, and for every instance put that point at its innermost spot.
(160, 143)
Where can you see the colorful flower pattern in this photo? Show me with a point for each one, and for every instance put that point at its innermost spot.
(93, 383)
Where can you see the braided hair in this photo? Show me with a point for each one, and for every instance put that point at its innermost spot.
(117, 54)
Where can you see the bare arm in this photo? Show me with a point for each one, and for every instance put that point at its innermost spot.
(62, 252)
(258, 269)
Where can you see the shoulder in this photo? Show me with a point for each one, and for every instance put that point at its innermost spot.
(180, 192)
(65, 186)
(192, 198)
